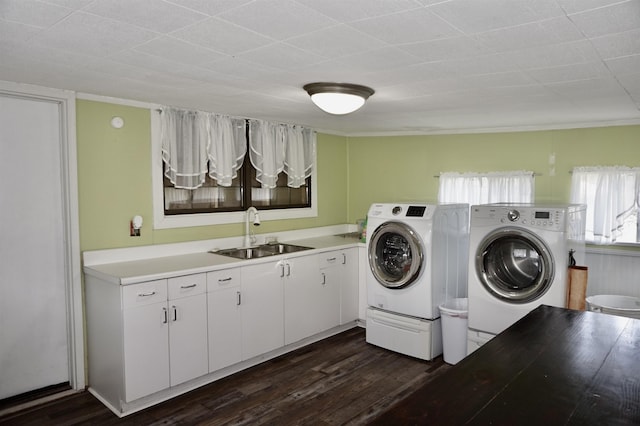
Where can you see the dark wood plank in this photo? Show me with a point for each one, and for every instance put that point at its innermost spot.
(555, 366)
(340, 380)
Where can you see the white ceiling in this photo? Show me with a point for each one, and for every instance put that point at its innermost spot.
(436, 66)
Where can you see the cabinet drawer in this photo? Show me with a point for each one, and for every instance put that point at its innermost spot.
(144, 293)
(224, 278)
(187, 285)
(332, 258)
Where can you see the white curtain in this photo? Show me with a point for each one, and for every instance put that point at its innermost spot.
(483, 188)
(226, 148)
(191, 139)
(611, 195)
(300, 151)
(184, 147)
(267, 151)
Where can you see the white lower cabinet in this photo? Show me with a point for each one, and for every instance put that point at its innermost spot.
(225, 321)
(145, 329)
(307, 298)
(349, 285)
(262, 305)
(153, 336)
(187, 311)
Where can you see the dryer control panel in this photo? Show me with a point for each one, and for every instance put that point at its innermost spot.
(531, 216)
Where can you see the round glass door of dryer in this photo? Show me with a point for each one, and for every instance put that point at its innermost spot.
(396, 255)
(514, 265)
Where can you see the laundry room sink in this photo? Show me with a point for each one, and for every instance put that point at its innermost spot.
(263, 250)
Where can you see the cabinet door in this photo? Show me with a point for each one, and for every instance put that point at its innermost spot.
(303, 298)
(349, 287)
(188, 346)
(146, 350)
(262, 305)
(225, 328)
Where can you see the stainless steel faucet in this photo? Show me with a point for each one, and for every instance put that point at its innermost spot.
(249, 237)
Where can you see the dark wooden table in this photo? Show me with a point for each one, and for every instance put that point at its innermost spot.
(553, 367)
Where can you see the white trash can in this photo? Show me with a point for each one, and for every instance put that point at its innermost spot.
(626, 306)
(453, 313)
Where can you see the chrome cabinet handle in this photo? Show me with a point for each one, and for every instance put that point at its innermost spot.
(281, 270)
(239, 295)
(175, 313)
(222, 280)
(166, 319)
(331, 259)
(324, 278)
(288, 269)
(150, 293)
(188, 286)
(344, 259)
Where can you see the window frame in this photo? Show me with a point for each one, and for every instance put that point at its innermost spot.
(162, 221)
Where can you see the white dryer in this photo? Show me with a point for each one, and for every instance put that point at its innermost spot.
(518, 259)
(417, 257)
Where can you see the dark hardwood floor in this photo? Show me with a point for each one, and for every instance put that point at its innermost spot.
(340, 380)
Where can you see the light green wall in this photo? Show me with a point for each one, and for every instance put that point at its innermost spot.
(114, 170)
(114, 182)
(402, 168)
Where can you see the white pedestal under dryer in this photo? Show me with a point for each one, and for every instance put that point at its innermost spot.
(417, 255)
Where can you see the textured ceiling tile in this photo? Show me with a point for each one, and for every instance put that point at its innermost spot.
(407, 27)
(209, 7)
(282, 56)
(387, 58)
(155, 15)
(335, 42)
(92, 35)
(575, 6)
(15, 31)
(70, 4)
(575, 72)
(624, 65)
(617, 45)
(289, 20)
(554, 55)
(552, 31)
(31, 12)
(179, 51)
(613, 19)
(473, 16)
(222, 36)
(447, 48)
(356, 10)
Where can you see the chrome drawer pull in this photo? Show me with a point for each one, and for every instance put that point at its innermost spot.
(188, 286)
(331, 259)
(221, 280)
(151, 293)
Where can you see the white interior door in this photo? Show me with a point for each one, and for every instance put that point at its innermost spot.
(33, 304)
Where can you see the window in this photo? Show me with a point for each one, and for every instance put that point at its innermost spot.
(214, 204)
(483, 188)
(212, 198)
(611, 197)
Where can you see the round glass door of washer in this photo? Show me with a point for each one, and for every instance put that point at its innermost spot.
(514, 265)
(396, 255)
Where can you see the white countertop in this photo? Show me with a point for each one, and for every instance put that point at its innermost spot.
(155, 268)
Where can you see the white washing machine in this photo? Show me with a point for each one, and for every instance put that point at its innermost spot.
(417, 259)
(518, 259)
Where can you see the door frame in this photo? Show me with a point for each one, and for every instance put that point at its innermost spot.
(66, 101)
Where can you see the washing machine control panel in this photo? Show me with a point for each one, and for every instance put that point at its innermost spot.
(544, 218)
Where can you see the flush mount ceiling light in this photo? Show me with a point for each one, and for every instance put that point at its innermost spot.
(338, 98)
